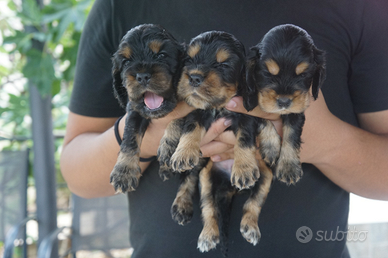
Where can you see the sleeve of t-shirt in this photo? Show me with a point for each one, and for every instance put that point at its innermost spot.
(93, 91)
(369, 66)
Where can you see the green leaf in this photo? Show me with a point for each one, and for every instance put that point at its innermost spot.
(39, 69)
(56, 87)
(21, 39)
(31, 13)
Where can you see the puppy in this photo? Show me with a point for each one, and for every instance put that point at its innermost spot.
(146, 70)
(213, 73)
(281, 71)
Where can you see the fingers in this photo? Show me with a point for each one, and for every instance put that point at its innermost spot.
(236, 105)
(181, 110)
(216, 148)
(217, 128)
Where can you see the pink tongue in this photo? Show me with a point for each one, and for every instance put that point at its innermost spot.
(152, 100)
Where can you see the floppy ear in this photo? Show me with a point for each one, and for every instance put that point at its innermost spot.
(250, 91)
(120, 91)
(320, 71)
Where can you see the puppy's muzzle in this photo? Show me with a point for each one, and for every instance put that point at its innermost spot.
(284, 102)
(195, 80)
(143, 78)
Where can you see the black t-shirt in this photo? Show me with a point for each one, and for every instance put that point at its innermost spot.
(354, 34)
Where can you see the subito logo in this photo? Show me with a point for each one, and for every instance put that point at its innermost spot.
(304, 234)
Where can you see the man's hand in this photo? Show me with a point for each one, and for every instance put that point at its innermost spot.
(218, 143)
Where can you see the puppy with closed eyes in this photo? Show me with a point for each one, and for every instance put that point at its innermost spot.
(213, 73)
(146, 70)
(282, 70)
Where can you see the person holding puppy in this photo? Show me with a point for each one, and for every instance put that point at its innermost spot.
(345, 136)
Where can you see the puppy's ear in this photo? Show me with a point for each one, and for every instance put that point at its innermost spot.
(250, 92)
(120, 91)
(320, 71)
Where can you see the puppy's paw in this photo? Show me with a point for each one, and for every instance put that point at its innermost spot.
(289, 171)
(250, 231)
(165, 172)
(208, 240)
(165, 151)
(185, 159)
(182, 211)
(269, 154)
(125, 178)
(270, 144)
(244, 175)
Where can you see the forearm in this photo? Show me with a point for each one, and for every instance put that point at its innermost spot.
(352, 158)
(87, 161)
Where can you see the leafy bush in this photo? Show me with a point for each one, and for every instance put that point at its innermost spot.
(39, 44)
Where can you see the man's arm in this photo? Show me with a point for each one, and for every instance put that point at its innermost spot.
(90, 150)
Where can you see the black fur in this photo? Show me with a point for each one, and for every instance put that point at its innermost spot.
(202, 85)
(148, 61)
(288, 46)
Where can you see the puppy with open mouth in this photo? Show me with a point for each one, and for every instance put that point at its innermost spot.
(146, 70)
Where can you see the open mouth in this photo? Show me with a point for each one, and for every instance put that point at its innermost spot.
(152, 101)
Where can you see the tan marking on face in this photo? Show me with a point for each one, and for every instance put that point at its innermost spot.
(222, 55)
(155, 45)
(272, 66)
(195, 71)
(211, 93)
(193, 50)
(300, 68)
(126, 51)
(268, 102)
(217, 90)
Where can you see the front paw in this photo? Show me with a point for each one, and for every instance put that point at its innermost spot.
(269, 153)
(245, 174)
(165, 172)
(125, 178)
(185, 159)
(165, 151)
(289, 171)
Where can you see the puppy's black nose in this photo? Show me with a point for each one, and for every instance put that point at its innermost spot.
(195, 79)
(143, 78)
(284, 102)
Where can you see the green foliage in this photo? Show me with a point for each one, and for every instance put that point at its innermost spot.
(40, 43)
(49, 39)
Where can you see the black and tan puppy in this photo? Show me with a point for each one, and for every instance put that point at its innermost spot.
(281, 71)
(213, 73)
(146, 70)
(211, 76)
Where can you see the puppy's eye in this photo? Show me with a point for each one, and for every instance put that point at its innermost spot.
(125, 62)
(224, 65)
(160, 55)
(303, 75)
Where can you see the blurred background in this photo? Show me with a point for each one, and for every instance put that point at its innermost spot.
(39, 42)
